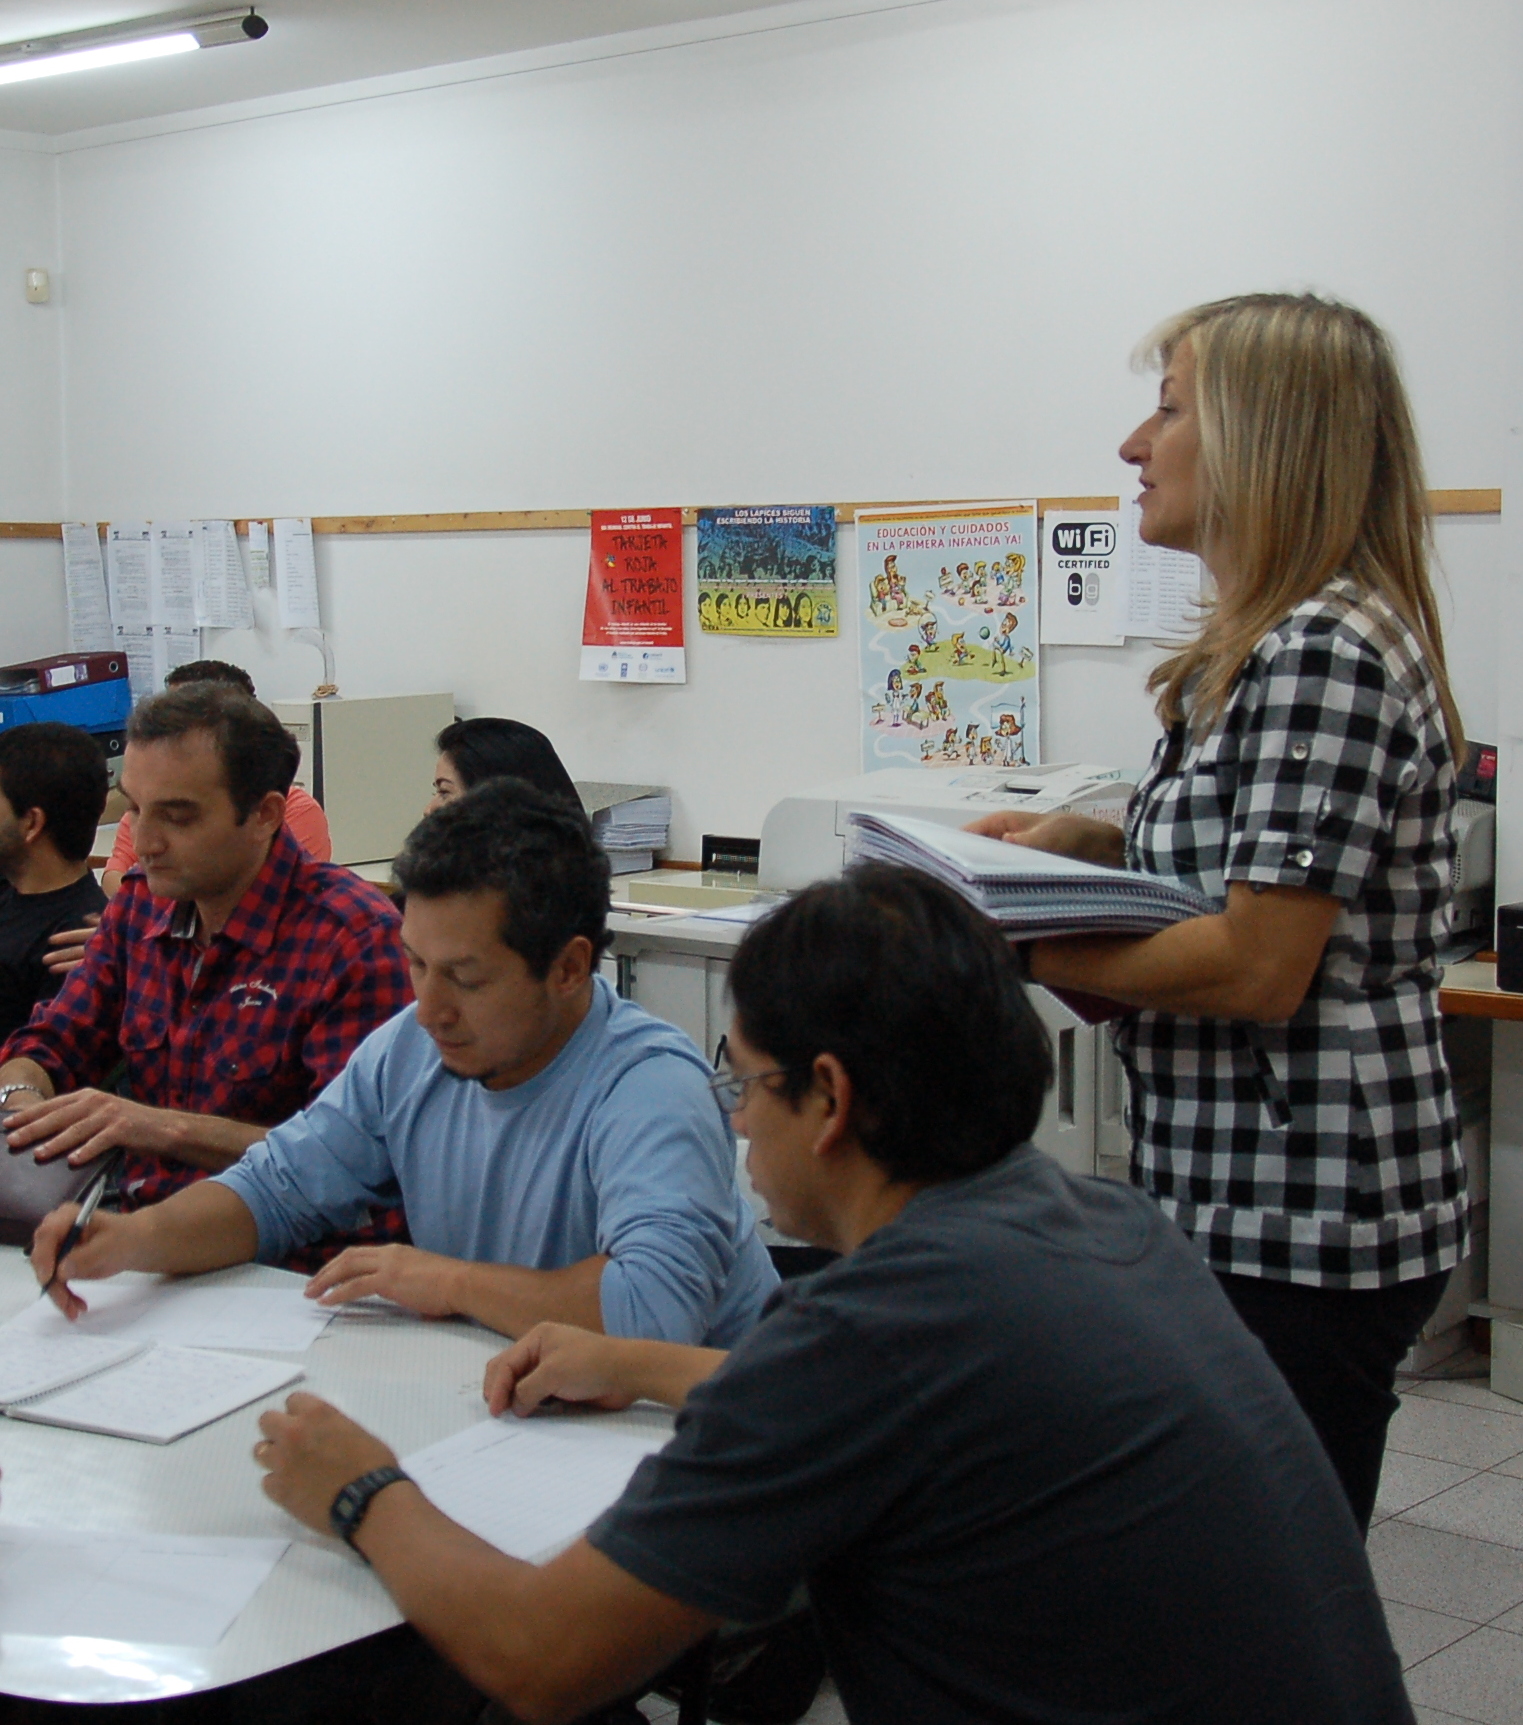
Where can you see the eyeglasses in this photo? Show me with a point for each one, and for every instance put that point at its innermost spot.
(730, 1087)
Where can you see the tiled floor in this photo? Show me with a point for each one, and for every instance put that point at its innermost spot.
(1447, 1550)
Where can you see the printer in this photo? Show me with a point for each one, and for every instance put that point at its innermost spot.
(803, 839)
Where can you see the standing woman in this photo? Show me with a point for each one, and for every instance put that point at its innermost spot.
(1291, 1108)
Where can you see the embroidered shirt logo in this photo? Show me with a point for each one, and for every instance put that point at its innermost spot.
(244, 994)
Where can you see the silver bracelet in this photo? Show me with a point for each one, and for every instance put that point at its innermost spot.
(9, 1090)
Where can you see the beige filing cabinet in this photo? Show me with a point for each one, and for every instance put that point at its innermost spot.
(675, 967)
(369, 762)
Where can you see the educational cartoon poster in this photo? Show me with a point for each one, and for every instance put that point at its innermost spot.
(632, 622)
(949, 636)
(768, 571)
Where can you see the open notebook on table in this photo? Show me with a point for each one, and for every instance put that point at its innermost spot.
(128, 1389)
(1031, 894)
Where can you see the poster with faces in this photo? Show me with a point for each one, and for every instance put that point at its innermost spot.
(949, 642)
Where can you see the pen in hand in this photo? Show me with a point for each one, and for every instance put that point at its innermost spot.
(81, 1221)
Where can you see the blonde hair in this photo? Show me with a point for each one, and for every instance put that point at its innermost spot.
(1309, 467)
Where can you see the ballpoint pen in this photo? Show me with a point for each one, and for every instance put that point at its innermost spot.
(82, 1220)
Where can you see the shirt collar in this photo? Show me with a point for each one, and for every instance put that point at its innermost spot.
(252, 923)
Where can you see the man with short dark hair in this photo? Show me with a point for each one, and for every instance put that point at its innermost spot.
(234, 976)
(304, 815)
(557, 1149)
(53, 786)
(1028, 1460)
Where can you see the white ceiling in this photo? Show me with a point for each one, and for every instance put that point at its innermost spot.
(311, 43)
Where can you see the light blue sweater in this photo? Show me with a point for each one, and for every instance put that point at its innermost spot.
(617, 1147)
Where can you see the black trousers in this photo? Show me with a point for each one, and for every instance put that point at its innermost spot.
(1338, 1349)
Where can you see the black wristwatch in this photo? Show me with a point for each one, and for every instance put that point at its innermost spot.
(348, 1509)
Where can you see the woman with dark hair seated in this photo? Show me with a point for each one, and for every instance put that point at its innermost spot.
(471, 750)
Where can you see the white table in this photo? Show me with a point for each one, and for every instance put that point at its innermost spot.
(411, 1381)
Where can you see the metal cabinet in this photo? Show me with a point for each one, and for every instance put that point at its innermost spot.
(676, 968)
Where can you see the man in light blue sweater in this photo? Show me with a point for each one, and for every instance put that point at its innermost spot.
(558, 1151)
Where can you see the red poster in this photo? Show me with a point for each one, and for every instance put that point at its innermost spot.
(632, 627)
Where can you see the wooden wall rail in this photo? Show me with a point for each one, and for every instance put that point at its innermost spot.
(1482, 502)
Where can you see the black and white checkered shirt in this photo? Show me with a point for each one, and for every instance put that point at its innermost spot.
(1324, 1150)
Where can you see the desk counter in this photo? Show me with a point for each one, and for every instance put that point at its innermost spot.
(409, 1380)
(1470, 991)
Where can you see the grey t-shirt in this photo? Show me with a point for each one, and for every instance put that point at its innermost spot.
(1033, 1469)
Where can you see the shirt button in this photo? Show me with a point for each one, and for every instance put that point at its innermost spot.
(1299, 751)
(1303, 859)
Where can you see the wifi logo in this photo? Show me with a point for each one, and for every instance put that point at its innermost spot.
(1083, 538)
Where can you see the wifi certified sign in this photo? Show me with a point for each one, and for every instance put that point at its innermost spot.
(1079, 577)
(1083, 538)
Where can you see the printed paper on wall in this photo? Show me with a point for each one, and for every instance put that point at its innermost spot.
(768, 571)
(632, 621)
(950, 650)
(1082, 577)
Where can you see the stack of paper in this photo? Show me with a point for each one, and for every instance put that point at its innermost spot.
(1033, 894)
(630, 822)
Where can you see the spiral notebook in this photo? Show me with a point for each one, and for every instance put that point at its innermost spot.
(154, 1394)
(1032, 894)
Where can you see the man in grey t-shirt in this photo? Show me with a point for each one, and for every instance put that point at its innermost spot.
(1027, 1459)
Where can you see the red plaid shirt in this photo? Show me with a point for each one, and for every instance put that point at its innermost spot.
(250, 1028)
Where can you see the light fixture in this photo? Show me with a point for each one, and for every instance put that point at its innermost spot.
(121, 44)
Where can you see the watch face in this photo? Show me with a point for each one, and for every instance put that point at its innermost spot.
(349, 1507)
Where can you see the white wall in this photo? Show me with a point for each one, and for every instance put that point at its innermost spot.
(31, 447)
(902, 255)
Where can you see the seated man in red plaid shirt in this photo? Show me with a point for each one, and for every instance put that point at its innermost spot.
(233, 975)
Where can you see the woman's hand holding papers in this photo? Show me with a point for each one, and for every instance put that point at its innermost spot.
(1064, 835)
(561, 1362)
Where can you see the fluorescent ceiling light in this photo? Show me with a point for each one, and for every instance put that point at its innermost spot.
(85, 59)
(122, 44)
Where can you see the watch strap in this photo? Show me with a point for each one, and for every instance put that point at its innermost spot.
(349, 1508)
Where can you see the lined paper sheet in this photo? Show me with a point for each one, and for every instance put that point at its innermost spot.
(150, 1588)
(141, 1309)
(84, 579)
(127, 559)
(296, 575)
(31, 1363)
(1163, 587)
(223, 600)
(160, 1395)
(529, 1487)
(259, 554)
(172, 575)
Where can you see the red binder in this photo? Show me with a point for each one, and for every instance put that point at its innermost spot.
(61, 671)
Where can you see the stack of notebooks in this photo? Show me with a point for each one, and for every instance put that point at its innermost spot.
(630, 822)
(1032, 894)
